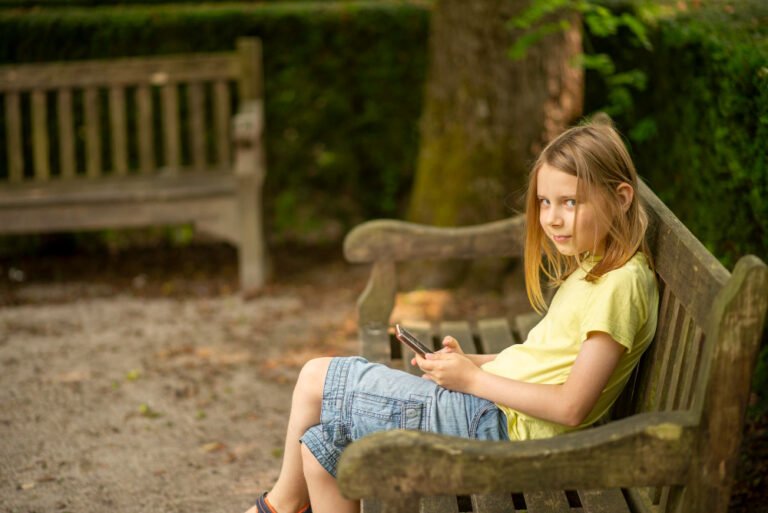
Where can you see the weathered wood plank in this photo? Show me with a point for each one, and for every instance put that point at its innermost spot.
(461, 331)
(221, 119)
(250, 81)
(374, 308)
(13, 137)
(146, 129)
(118, 130)
(438, 504)
(196, 109)
(646, 449)
(603, 501)
(123, 71)
(547, 502)
(493, 503)
(92, 133)
(495, 335)
(683, 342)
(66, 131)
(723, 387)
(40, 143)
(690, 370)
(171, 129)
(399, 241)
(682, 261)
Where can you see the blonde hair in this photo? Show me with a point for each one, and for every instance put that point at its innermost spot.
(595, 153)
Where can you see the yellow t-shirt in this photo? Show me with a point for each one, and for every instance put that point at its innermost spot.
(622, 303)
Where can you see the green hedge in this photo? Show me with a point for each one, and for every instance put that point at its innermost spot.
(343, 88)
(704, 113)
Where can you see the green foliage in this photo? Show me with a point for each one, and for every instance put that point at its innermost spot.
(343, 89)
(545, 17)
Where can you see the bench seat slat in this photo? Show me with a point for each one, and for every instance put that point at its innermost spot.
(493, 503)
(547, 502)
(495, 335)
(461, 331)
(439, 504)
(603, 501)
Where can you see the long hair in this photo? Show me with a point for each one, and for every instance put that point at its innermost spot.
(595, 153)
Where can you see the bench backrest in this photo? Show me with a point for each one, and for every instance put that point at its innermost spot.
(69, 120)
(689, 278)
(702, 358)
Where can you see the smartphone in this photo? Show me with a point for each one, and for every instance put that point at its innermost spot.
(410, 340)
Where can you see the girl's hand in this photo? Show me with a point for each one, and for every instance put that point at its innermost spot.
(450, 370)
(450, 345)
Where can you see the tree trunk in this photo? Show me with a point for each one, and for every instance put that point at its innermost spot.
(486, 117)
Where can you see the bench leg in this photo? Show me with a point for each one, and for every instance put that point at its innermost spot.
(252, 254)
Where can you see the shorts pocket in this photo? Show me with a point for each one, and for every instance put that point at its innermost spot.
(372, 413)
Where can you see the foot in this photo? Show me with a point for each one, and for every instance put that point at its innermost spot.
(263, 506)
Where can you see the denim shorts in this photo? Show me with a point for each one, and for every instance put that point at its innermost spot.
(360, 398)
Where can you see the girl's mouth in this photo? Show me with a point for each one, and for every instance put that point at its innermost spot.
(561, 238)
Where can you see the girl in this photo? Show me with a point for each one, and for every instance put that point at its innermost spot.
(585, 234)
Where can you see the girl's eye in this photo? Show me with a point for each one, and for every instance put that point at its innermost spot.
(543, 201)
(570, 203)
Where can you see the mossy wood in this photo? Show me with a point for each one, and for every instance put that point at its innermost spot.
(110, 147)
(672, 441)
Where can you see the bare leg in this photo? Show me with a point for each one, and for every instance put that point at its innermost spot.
(290, 491)
(323, 488)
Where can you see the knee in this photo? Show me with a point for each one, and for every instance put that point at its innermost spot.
(312, 376)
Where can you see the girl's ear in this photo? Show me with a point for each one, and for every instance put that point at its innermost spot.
(626, 194)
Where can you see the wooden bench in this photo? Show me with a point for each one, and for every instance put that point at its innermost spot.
(673, 442)
(137, 142)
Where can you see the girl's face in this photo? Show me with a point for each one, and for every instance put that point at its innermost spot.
(558, 204)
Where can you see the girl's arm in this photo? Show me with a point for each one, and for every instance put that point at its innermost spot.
(567, 404)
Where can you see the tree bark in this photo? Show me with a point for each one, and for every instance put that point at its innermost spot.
(485, 119)
(486, 116)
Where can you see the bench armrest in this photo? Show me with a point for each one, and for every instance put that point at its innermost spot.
(644, 450)
(398, 240)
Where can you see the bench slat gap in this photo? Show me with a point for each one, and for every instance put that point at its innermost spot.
(40, 142)
(171, 131)
(195, 98)
(221, 120)
(66, 131)
(92, 133)
(13, 137)
(146, 132)
(118, 130)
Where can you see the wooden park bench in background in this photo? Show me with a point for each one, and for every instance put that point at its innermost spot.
(137, 142)
(673, 440)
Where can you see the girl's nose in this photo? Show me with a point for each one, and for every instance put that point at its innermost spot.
(553, 217)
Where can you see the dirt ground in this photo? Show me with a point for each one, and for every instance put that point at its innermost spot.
(143, 382)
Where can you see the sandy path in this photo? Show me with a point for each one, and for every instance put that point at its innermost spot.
(141, 405)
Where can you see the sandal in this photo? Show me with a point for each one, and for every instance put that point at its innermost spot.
(263, 505)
